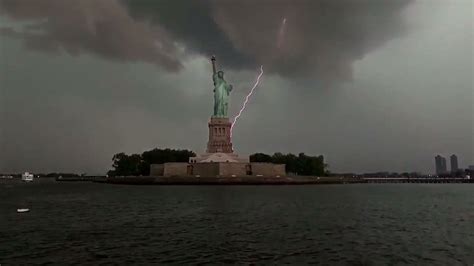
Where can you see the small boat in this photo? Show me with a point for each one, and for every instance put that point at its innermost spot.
(22, 210)
(27, 177)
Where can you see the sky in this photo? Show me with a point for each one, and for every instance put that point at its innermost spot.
(371, 85)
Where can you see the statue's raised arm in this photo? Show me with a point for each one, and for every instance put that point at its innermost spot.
(213, 60)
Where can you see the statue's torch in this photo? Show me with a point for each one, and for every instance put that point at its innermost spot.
(213, 60)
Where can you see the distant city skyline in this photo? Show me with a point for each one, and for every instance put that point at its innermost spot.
(441, 165)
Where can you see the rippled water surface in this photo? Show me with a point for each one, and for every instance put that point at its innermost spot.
(84, 223)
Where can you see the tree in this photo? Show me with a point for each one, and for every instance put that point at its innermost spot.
(300, 165)
(260, 157)
(125, 165)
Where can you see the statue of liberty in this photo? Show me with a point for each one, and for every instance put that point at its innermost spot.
(221, 91)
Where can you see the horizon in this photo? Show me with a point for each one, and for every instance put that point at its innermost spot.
(460, 168)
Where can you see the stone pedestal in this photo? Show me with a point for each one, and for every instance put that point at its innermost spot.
(219, 145)
(219, 136)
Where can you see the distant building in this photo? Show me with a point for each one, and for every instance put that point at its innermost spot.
(454, 163)
(444, 167)
(471, 167)
(440, 163)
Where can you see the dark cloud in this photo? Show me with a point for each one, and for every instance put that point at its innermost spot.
(192, 23)
(101, 27)
(322, 37)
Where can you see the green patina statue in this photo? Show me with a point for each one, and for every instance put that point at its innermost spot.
(221, 91)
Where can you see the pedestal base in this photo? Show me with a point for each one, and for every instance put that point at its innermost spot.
(219, 136)
(219, 145)
(218, 157)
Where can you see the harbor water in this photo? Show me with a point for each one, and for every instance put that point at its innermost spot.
(357, 224)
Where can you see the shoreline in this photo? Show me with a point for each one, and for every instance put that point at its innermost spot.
(300, 180)
(244, 180)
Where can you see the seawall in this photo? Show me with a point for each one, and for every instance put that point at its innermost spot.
(187, 180)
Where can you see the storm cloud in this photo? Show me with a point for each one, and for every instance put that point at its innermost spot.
(97, 27)
(323, 38)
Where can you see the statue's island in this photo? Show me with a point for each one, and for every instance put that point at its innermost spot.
(220, 165)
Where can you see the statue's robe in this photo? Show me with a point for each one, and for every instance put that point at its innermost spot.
(221, 96)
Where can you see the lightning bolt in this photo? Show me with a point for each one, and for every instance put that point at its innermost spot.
(281, 33)
(246, 100)
(279, 43)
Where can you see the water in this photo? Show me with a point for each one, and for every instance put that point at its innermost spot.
(365, 224)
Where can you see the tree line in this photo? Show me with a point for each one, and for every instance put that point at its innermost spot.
(139, 164)
(298, 165)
